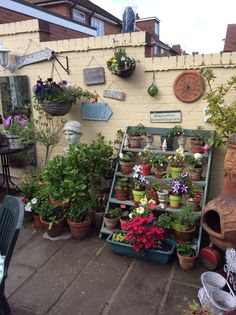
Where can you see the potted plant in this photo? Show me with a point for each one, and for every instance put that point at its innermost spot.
(159, 162)
(165, 221)
(122, 188)
(180, 185)
(139, 183)
(193, 199)
(19, 130)
(100, 203)
(120, 64)
(187, 255)
(126, 162)
(194, 308)
(135, 135)
(52, 218)
(184, 224)
(198, 140)
(124, 217)
(151, 191)
(176, 162)
(141, 238)
(169, 136)
(57, 98)
(111, 218)
(79, 217)
(195, 167)
(144, 162)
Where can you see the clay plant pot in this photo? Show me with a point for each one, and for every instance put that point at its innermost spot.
(196, 146)
(192, 203)
(186, 262)
(79, 230)
(152, 194)
(126, 167)
(134, 141)
(122, 194)
(184, 236)
(56, 229)
(195, 173)
(145, 169)
(111, 223)
(37, 222)
(160, 170)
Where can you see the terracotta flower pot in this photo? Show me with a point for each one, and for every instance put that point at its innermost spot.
(145, 169)
(134, 141)
(79, 230)
(126, 167)
(195, 173)
(152, 194)
(56, 229)
(37, 222)
(111, 223)
(193, 204)
(186, 262)
(122, 194)
(159, 170)
(196, 146)
(184, 236)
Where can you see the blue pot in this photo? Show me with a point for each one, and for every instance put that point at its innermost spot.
(154, 255)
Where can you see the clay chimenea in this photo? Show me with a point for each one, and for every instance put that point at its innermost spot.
(219, 215)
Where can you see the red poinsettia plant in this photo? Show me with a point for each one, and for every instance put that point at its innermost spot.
(142, 232)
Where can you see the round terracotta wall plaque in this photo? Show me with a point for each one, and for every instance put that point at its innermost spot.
(189, 86)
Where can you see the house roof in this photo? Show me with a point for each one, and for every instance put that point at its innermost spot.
(81, 3)
(24, 7)
(230, 40)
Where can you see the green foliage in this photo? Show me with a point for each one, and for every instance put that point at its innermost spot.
(32, 183)
(49, 213)
(164, 221)
(177, 130)
(222, 115)
(114, 213)
(122, 183)
(81, 210)
(126, 156)
(138, 130)
(184, 219)
(194, 308)
(200, 135)
(186, 250)
(155, 185)
(158, 159)
(120, 61)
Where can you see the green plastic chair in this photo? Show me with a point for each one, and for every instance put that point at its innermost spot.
(11, 218)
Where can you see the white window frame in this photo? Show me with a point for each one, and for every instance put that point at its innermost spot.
(76, 13)
(99, 25)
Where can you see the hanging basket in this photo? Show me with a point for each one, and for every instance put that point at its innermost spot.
(126, 72)
(56, 108)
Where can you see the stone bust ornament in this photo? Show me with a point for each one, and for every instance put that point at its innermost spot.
(72, 131)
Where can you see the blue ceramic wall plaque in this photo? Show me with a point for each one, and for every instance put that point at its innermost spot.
(96, 111)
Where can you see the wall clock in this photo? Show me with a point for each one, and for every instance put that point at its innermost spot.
(188, 86)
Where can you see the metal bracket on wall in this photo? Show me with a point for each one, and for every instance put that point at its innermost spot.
(66, 68)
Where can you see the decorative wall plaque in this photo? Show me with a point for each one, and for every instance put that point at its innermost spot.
(94, 76)
(117, 95)
(165, 116)
(189, 86)
(96, 111)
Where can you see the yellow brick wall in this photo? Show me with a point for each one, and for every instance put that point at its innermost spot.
(93, 52)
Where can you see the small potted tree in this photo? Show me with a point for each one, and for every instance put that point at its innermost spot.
(122, 188)
(187, 255)
(79, 217)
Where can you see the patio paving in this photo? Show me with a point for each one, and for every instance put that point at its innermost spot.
(72, 277)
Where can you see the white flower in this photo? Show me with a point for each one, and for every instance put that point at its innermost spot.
(121, 155)
(122, 58)
(197, 156)
(137, 168)
(143, 201)
(34, 201)
(140, 210)
(131, 215)
(28, 207)
(135, 175)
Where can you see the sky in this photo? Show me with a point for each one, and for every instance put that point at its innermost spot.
(198, 26)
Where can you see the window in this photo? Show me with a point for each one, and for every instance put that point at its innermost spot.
(99, 26)
(162, 51)
(78, 16)
(155, 50)
(156, 28)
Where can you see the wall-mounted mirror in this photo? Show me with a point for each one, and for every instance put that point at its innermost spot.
(15, 98)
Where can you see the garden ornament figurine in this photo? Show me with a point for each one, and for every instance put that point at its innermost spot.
(72, 131)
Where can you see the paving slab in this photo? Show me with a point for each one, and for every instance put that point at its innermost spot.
(142, 289)
(27, 233)
(89, 292)
(50, 281)
(191, 276)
